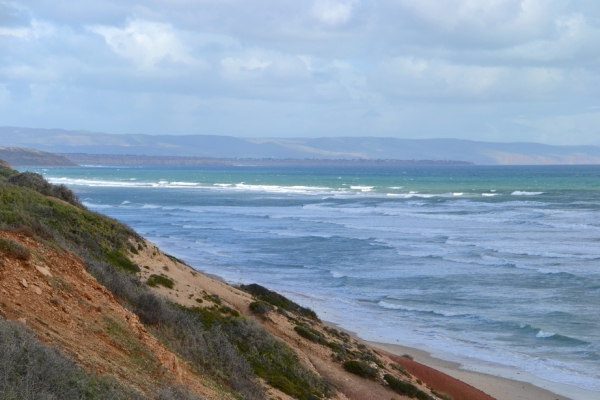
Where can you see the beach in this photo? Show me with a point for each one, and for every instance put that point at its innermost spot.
(496, 386)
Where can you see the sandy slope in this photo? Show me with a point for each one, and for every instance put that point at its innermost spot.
(53, 294)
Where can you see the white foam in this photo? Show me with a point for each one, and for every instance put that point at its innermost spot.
(523, 193)
(457, 194)
(183, 184)
(337, 274)
(362, 188)
(542, 334)
(490, 194)
(390, 306)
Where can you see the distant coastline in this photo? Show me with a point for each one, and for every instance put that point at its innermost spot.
(138, 160)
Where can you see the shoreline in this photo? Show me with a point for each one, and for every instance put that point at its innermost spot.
(498, 381)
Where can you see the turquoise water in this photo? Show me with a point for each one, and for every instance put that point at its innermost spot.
(496, 264)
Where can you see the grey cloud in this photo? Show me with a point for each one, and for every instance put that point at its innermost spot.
(428, 68)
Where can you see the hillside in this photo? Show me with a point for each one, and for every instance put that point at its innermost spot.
(368, 148)
(18, 156)
(108, 315)
(131, 160)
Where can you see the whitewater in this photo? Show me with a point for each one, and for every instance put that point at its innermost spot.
(480, 264)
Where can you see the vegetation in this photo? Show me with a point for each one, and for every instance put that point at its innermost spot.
(400, 369)
(155, 280)
(360, 368)
(37, 182)
(406, 388)
(32, 370)
(14, 249)
(277, 300)
(260, 307)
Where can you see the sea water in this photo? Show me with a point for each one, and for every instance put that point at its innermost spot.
(498, 264)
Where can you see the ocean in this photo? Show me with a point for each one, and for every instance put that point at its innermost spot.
(479, 263)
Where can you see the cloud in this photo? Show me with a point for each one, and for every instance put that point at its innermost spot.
(466, 68)
(35, 30)
(145, 43)
(332, 12)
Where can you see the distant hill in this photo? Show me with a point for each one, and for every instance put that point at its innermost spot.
(64, 141)
(123, 160)
(17, 156)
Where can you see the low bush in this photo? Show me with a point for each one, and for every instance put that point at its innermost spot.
(311, 334)
(443, 396)
(155, 280)
(360, 368)
(406, 388)
(400, 369)
(37, 182)
(119, 260)
(260, 307)
(273, 298)
(14, 249)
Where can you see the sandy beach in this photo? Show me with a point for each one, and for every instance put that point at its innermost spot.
(520, 385)
(497, 381)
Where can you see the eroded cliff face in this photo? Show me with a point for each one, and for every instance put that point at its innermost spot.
(47, 288)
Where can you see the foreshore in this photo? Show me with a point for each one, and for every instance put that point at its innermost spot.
(497, 381)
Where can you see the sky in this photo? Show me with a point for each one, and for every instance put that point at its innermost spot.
(492, 70)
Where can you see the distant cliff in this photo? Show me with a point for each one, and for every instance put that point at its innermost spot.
(17, 156)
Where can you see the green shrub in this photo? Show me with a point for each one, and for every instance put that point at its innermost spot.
(117, 259)
(311, 334)
(260, 307)
(155, 280)
(360, 368)
(278, 300)
(6, 172)
(442, 396)
(14, 249)
(37, 182)
(405, 388)
(400, 369)
(229, 310)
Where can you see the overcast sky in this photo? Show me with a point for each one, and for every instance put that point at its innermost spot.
(495, 70)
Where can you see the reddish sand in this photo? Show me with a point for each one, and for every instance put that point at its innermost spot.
(441, 382)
